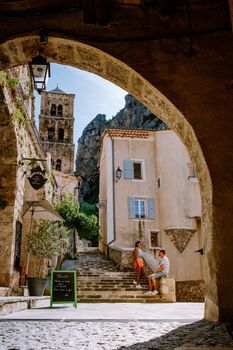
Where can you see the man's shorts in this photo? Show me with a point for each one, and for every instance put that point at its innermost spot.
(157, 275)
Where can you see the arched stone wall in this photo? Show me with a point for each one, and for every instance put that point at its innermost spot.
(17, 143)
(8, 188)
(21, 50)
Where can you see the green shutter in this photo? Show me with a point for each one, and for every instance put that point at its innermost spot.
(131, 213)
(151, 208)
(128, 169)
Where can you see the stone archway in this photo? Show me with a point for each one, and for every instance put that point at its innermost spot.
(8, 189)
(21, 50)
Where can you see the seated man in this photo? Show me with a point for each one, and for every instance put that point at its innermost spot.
(162, 270)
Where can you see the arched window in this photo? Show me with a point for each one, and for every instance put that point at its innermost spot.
(59, 110)
(51, 134)
(53, 109)
(61, 135)
(58, 165)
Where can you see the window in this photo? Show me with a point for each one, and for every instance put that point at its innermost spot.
(58, 165)
(137, 170)
(59, 110)
(192, 171)
(154, 239)
(139, 208)
(53, 109)
(61, 134)
(133, 169)
(51, 134)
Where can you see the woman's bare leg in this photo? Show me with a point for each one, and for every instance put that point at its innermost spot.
(138, 275)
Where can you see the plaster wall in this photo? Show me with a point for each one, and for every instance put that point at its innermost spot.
(179, 199)
(162, 154)
(179, 204)
(129, 231)
(66, 184)
(106, 209)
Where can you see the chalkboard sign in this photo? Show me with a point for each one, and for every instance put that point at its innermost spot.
(63, 287)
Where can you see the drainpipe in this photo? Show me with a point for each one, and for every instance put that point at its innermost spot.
(113, 196)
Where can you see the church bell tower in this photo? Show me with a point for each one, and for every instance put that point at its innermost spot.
(56, 127)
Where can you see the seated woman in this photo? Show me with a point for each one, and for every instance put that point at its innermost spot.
(162, 270)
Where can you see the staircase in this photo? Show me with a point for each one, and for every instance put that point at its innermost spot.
(99, 281)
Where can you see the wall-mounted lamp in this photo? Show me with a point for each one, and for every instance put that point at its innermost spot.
(40, 71)
(200, 251)
(118, 173)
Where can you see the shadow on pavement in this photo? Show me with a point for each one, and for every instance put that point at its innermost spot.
(195, 334)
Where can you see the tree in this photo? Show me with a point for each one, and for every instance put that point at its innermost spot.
(49, 239)
(85, 224)
(89, 209)
(88, 228)
(68, 208)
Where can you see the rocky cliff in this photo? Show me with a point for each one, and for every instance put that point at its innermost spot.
(133, 116)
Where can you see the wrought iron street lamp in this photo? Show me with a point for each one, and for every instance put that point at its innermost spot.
(40, 70)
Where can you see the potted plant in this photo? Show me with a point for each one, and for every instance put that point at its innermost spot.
(48, 240)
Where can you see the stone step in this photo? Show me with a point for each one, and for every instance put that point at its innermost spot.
(119, 300)
(108, 283)
(109, 286)
(115, 274)
(117, 294)
(101, 287)
(13, 304)
(112, 292)
(100, 281)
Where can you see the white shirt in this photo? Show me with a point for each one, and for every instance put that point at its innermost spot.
(165, 262)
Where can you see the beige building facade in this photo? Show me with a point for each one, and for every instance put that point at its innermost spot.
(156, 200)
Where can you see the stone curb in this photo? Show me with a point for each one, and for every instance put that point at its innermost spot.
(9, 305)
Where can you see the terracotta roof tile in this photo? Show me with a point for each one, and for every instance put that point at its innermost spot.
(131, 133)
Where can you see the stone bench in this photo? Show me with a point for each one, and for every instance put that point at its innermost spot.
(167, 285)
(4, 291)
(167, 288)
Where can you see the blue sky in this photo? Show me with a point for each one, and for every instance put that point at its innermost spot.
(93, 95)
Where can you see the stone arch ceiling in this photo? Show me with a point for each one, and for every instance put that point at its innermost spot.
(147, 52)
(96, 61)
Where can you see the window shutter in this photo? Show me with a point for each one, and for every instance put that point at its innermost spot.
(128, 169)
(131, 213)
(151, 208)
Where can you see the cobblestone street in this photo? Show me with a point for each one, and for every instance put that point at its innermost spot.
(79, 335)
(111, 326)
(46, 335)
